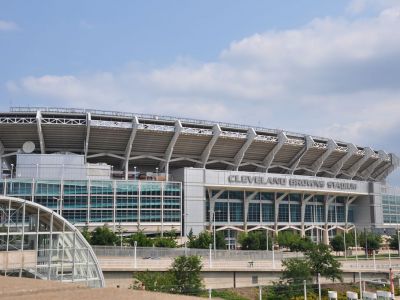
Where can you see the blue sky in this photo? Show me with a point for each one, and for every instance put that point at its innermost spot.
(328, 68)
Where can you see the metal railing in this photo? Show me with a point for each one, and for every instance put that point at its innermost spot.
(158, 253)
(160, 118)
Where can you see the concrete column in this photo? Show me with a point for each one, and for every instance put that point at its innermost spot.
(277, 202)
(212, 205)
(246, 202)
(304, 202)
(328, 200)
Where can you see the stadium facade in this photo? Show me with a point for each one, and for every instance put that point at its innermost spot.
(156, 173)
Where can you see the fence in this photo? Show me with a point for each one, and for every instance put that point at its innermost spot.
(153, 252)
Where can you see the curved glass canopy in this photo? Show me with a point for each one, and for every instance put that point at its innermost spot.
(39, 243)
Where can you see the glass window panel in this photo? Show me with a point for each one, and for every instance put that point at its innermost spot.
(236, 212)
(254, 212)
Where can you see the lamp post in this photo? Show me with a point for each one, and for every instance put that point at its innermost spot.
(12, 170)
(214, 233)
(134, 172)
(398, 240)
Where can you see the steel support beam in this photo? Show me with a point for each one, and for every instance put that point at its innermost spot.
(212, 204)
(246, 208)
(40, 132)
(277, 203)
(328, 201)
(337, 167)
(282, 139)
(349, 200)
(365, 174)
(394, 164)
(293, 164)
(207, 151)
(128, 148)
(352, 171)
(304, 202)
(164, 166)
(1, 159)
(88, 124)
(316, 166)
(251, 135)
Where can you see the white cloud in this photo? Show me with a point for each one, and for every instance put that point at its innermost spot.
(332, 77)
(8, 26)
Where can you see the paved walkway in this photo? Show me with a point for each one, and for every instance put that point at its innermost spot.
(12, 288)
(126, 263)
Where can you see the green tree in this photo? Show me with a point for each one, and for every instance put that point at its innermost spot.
(296, 270)
(322, 261)
(370, 241)
(142, 239)
(165, 242)
(394, 242)
(154, 281)
(182, 278)
(337, 243)
(220, 240)
(202, 241)
(293, 241)
(186, 273)
(104, 236)
(255, 240)
(86, 234)
(205, 238)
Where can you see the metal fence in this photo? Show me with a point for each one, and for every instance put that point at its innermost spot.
(153, 252)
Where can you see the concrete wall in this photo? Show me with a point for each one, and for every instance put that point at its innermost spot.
(231, 279)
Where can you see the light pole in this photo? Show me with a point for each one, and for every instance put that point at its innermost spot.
(120, 232)
(12, 170)
(398, 240)
(214, 233)
(157, 173)
(134, 172)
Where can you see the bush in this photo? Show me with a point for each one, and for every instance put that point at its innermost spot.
(141, 239)
(104, 236)
(204, 239)
(165, 242)
(155, 281)
(182, 278)
(370, 241)
(255, 240)
(186, 273)
(293, 241)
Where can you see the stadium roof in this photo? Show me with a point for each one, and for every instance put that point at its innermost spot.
(118, 138)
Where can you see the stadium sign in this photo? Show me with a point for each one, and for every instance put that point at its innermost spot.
(291, 182)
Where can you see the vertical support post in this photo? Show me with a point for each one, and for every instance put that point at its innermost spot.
(209, 293)
(398, 240)
(319, 286)
(162, 208)
(23, 239)
(305, 289)
(134, 255)
(373, 253)
(260, 292)
(209, 257)
(273, 256)
(391, 282)
(361, 291)
(214, 236)
(355, 243)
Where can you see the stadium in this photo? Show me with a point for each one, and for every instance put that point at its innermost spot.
(158, 173)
